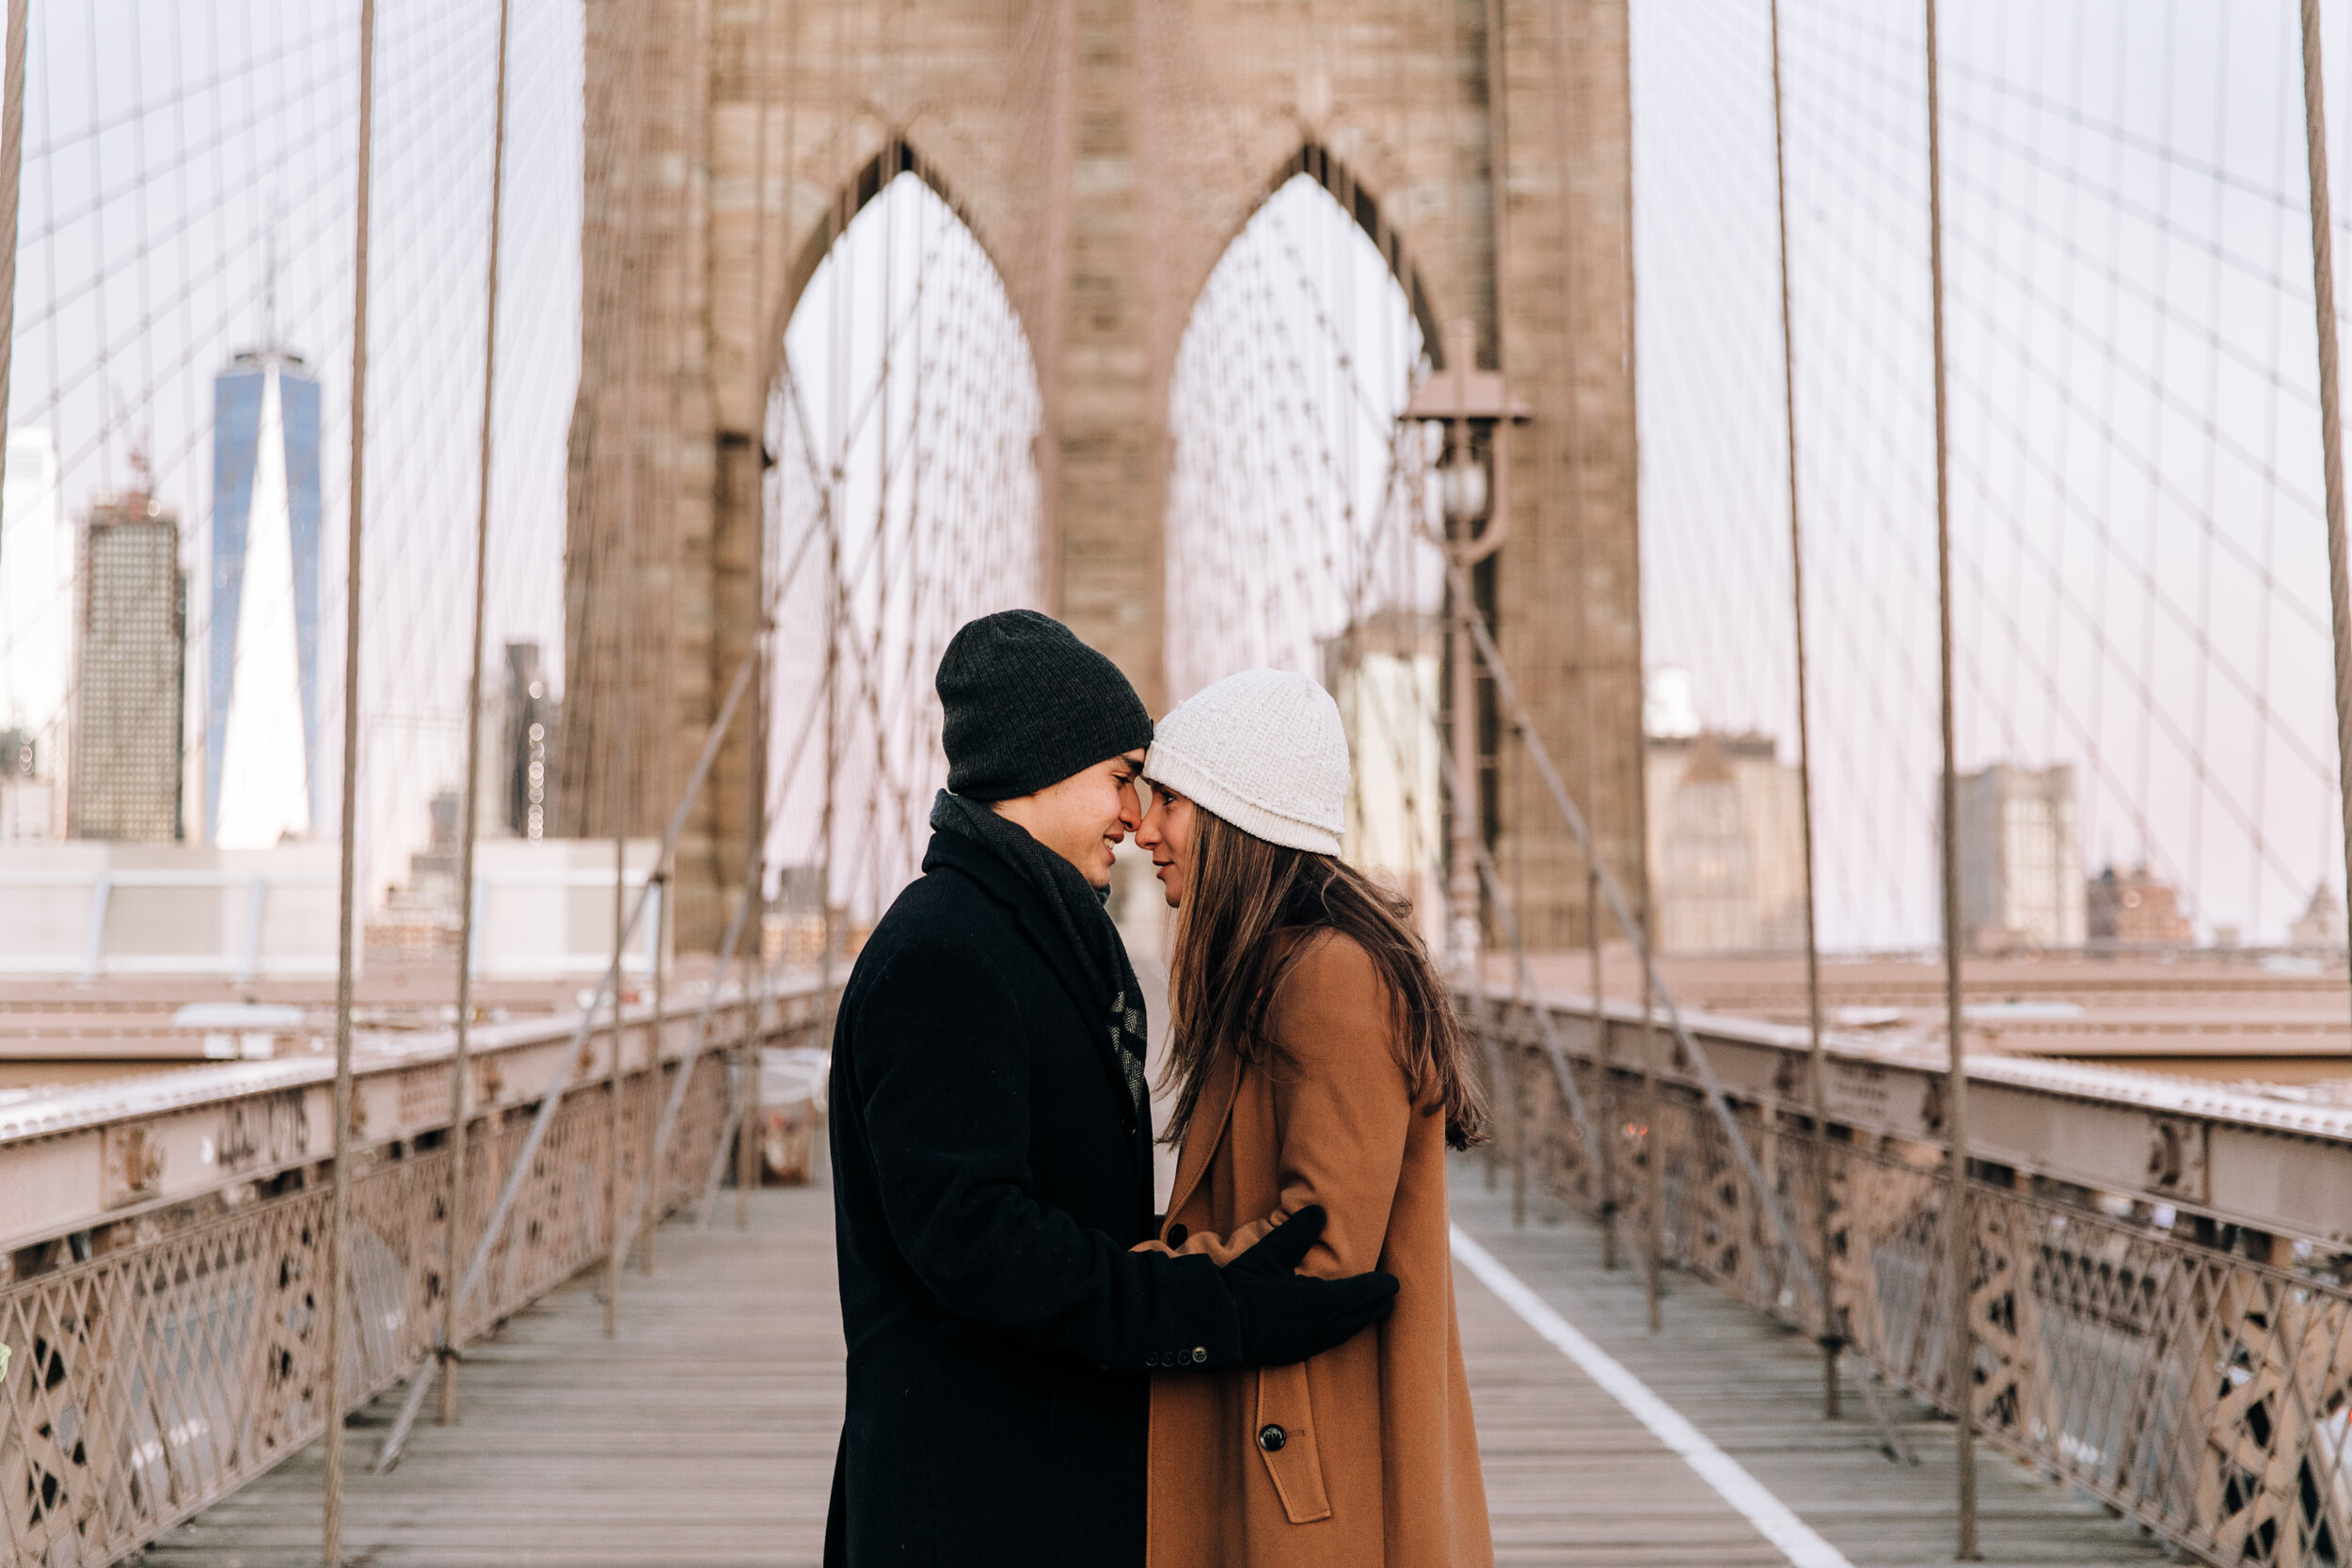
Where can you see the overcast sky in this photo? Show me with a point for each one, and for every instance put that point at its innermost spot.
(2142, 588)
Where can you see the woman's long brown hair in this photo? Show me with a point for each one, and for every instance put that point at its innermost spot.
(1244, 896)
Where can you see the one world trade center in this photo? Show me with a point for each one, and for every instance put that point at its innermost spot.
(262, 712)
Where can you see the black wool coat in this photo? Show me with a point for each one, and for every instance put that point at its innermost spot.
(990, 1175)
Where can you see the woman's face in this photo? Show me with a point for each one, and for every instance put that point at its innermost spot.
(1166, 833)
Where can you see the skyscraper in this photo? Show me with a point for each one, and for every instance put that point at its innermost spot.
(130, 664)
(2021, 871)
(1726, 835)
(527, 746)
(261, 779)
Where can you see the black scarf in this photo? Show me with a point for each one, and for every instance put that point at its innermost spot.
(1086, 924)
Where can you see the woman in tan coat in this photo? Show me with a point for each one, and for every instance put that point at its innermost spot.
(1316, 1061)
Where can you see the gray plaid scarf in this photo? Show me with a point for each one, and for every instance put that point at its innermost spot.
(1078, 908)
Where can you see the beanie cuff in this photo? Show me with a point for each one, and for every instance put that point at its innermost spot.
(1165, 766)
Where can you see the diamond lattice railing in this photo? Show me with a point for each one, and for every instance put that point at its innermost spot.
(2204, 1392)
(159, 1374)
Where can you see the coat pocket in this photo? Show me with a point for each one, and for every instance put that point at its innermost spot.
(1285, 1439)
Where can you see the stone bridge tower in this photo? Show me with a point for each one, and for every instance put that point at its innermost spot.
(1104, 152)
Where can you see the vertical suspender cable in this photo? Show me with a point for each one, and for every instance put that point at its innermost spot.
(1832, 1341)
(1653, 1102)
(620, 962)
(836, 235)
(2330, 411)
(460, 1083)
(625, 672)
(693, 90)
(1569, 126)
(338, 1248)
(1460, 686)
(632, 304)
(1498, 526)
(826, 817)
(755, 364)
(1653, 1137)
(11, 184)
(1057, 259)
(748, 1153)
(1960, 1252)
(651, 1178)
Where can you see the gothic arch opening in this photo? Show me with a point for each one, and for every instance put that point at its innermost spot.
(1314, 161)
(1299, 511)
(900, 499)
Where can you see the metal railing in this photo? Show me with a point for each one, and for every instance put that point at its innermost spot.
(174, 1349)
(2154, 1342)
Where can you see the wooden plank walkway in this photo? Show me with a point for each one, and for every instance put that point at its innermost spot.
(1572, 1479)
(704, 1434)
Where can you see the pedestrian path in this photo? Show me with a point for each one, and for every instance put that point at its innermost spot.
(705, 1433)
(1573, 1477)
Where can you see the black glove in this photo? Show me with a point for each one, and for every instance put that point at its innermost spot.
(1287, 1316)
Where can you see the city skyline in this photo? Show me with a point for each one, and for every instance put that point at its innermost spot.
(2107, 611)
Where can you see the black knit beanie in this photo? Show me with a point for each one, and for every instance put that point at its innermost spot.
(1028, 704)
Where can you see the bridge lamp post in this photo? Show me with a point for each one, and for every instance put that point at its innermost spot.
(1473, 498)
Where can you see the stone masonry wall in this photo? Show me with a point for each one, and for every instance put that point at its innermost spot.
(1104, 152)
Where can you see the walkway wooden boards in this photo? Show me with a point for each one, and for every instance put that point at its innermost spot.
(704, 1434)
(1573, 1478)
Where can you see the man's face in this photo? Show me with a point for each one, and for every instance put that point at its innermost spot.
(1085, 816)
(1167, 832)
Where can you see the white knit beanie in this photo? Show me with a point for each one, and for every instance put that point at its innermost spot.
(1265, 750)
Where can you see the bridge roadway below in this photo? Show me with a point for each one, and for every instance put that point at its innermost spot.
(705, 1433)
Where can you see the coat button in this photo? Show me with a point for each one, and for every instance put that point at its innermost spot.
(1199, 1354)
(1176, 1234)
(1151, 1358)
(1271, 1438)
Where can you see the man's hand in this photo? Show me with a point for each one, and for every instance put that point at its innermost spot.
(1287, 1316)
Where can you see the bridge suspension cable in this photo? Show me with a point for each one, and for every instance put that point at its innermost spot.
(2118, 441)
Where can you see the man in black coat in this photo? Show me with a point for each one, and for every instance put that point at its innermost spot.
(991, 1156)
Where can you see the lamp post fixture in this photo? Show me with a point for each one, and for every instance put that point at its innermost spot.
(1477, 412)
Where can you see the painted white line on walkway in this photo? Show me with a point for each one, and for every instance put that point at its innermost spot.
(1730, 1480)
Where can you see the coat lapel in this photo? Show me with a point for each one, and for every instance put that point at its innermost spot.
(1045, 934)
(1209, 1116)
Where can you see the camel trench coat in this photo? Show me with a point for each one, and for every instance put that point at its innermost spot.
(1376, 1459)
